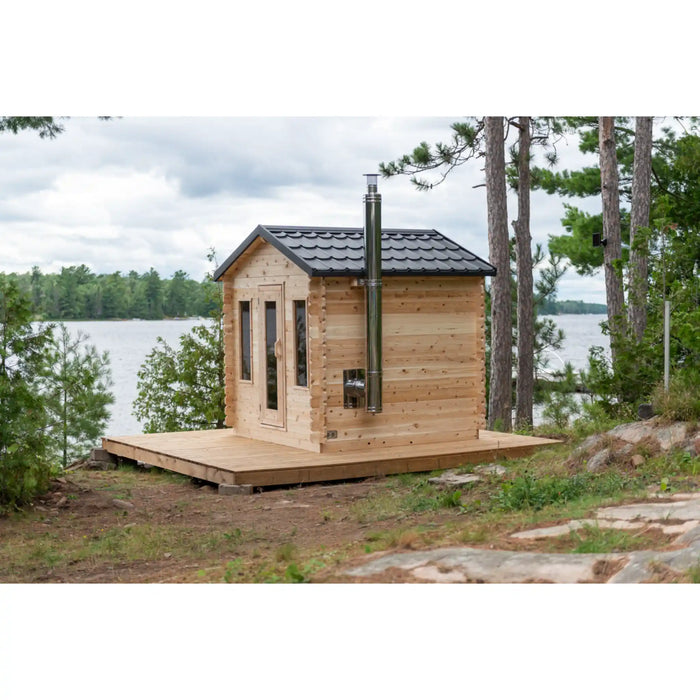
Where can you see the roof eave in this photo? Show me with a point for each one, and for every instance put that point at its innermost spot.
(260, 232)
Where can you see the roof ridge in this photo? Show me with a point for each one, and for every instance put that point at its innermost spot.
(393, 229)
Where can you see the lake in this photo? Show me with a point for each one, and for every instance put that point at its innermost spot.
(129, 342)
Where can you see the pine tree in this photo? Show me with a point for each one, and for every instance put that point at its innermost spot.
(468, 142)
(525, 382)
(78, 395)
(499, 410)
(639, 221)
(611, 231)
(25, 466)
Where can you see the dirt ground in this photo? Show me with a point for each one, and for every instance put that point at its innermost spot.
(182, 530)
(138, 525)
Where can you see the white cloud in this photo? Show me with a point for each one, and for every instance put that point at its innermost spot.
(142, 192)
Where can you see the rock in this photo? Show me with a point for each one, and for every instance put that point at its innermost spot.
(451, 478)
(637, 460)
(598, 461)
(97, 454)
(208, 488)
(236, 490)
(645, 411)
(660, 512)
(590, 443)
(61, 502)
(553, 531)
(671, 436)
(632, 432)
(125, 505)
(695, 444)
(99, 464)
(493, 468)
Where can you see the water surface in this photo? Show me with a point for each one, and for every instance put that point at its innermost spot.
(129, 342)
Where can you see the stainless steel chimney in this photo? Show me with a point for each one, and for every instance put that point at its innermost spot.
(373, 295)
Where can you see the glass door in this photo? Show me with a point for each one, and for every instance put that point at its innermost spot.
(271, 327)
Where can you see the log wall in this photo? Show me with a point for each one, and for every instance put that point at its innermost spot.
(433, 362)
(433, 358)
(262, 264)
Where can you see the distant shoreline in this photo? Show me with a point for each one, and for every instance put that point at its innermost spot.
(117, 320)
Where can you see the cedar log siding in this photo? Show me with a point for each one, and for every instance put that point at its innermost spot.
(433, 357)
(433, 361)
(262, 264)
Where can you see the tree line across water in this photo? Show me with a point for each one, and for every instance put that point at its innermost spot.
(78, 293)
(550, 307)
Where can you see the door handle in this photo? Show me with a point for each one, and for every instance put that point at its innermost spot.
(278, 348)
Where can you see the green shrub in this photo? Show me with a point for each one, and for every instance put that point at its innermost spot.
(529, 492)
(682, 402)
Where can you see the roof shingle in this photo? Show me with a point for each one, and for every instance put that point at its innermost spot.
(322, 252)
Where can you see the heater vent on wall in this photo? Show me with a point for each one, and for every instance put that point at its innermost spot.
(353, 388)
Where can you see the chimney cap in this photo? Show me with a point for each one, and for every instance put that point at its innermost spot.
(371, 178)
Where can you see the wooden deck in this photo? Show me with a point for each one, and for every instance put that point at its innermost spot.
(220, 457)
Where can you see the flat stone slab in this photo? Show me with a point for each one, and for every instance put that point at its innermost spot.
(665, 495)
(603, 524)
(573, 525)
(496, 469)
(465, 564)
(451, 478)
(670, 510)
(552, 531)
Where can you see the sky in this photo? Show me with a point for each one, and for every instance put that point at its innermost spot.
(280, 131)
(138, 192)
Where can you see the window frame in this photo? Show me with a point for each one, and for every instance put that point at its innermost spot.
(295, 303)
(249, 302)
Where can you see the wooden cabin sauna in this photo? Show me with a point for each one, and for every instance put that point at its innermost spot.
(347, 339)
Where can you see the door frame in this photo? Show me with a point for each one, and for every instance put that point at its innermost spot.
(270, 417)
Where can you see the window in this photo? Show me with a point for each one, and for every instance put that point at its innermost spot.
(300, 343)
(246, 368)
(270, 353)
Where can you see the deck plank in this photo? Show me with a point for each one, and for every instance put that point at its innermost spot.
(220, 456)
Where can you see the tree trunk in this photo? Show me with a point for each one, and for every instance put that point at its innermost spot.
(525, 382)
(612, 255)
(499, 414)
(639, 217)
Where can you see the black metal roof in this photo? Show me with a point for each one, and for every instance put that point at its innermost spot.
(336, 252)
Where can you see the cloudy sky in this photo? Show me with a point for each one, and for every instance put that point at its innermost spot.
(137, 192)
(148, 191)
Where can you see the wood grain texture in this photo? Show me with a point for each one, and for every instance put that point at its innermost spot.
(433, 352)
(261, 266)
(433, 365)
(222, 457)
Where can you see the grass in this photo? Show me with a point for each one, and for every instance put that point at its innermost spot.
(129, 543)
(531, 492)
(694, 573)
(400, 512)
(404, 495)
(592, 540)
